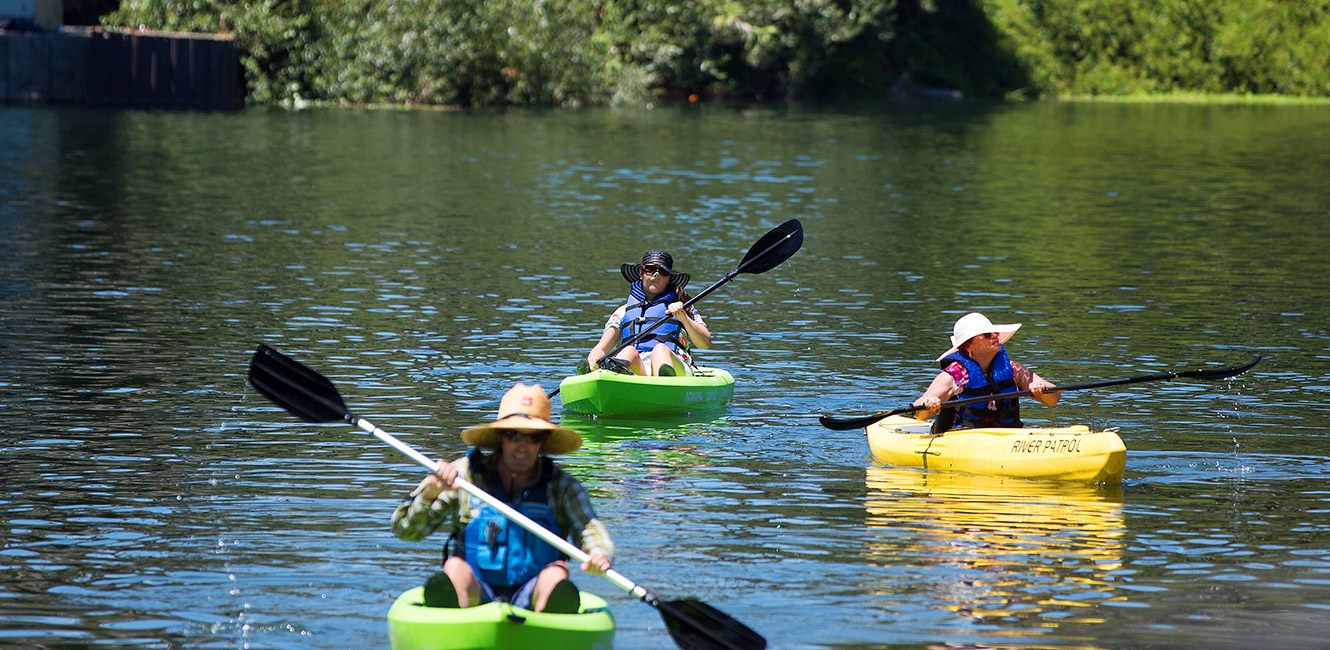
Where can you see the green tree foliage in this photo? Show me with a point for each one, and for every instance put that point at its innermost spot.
(954, 45)
(755, 49)
(543, 52)
(485, 52)
(1114, 47)
(573, 52)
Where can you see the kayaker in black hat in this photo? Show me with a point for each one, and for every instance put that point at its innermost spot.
(977, 365)
(655, 290)
(495, 558)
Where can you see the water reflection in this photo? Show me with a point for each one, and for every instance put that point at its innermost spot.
(626, 455)
(594, 429)
(1033, 552)
(426, 262)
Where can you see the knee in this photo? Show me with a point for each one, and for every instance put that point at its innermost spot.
(457, 567)
(557, 570)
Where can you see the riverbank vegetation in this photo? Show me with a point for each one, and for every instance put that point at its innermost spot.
(582, 52)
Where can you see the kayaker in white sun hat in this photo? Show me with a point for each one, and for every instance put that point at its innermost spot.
(655, 290)
(975, 366)
(494, 558)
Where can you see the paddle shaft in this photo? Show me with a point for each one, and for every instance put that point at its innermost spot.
(1159, 376)
(729, 276)
(313, 398)
(507, 510)
(843, 424)
(669, 609)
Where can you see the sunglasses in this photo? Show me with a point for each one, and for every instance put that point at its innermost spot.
(523, 436)
(652, 269)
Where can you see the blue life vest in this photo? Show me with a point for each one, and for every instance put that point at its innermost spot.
(503, 554)
(641, 313)
(1008, 413)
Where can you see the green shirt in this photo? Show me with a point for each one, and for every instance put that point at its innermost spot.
(416, 518)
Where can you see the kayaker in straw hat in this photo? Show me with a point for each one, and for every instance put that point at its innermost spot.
(655, 290)
(494, 558)
(977, 365)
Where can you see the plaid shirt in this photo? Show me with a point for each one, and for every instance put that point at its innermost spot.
(416, 518)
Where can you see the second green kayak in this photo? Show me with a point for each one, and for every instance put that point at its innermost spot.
(602, 392)
(497, 626)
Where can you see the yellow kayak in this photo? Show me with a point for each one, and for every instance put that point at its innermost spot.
(1072, 453)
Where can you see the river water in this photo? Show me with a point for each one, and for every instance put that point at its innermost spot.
(426, 261)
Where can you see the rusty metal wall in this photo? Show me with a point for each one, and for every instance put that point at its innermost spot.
(125, 69)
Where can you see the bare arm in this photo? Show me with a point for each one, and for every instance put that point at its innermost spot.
(1026, 379)
(608, 340)
(942, 388)
(698, 334)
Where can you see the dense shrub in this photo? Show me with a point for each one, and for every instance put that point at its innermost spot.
(555, 52)
(572, 52)
(1145, 46)
(461, 52)
(755, 49)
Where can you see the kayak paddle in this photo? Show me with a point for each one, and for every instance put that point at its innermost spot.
(306, 394)
(845, 424)
(766, 253)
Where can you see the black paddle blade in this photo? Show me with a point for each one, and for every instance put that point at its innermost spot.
(294, 387)
(696, 625)
(1220, 373)
(773, 248)
(846, 424)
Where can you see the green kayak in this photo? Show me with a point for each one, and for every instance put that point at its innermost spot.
(602, 392)
(497, 626)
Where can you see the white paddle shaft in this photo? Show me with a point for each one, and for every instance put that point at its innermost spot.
(507, 510)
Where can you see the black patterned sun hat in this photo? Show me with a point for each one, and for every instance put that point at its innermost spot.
(633, 272)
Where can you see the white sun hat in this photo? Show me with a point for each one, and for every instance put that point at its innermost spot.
(973, 324)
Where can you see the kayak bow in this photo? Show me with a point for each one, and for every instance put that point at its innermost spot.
(497, 626)
(1072, 453)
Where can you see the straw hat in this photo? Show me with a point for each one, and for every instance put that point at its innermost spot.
(633, 272)
(525, 408)
(973, 324)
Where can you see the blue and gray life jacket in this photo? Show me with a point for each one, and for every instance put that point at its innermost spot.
(1008, 412)
(503, 554)
(641, 313)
